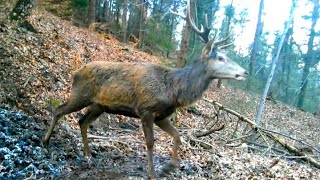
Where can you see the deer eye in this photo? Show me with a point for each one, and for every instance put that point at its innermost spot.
(220, 58)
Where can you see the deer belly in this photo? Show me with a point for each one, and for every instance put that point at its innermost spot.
(121, 110)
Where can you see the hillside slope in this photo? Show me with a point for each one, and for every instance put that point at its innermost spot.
(36, 71)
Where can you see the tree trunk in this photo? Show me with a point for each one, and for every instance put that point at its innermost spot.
(117, 14)
(288, 69)
(91, 12)
(309, 59)
(133, 22)
(255, 46)
(172, 24)
(21, 10)
(273, 66)
(304, 84)
(124, 20)
(105, 11)
(142, 21)
(181, 59)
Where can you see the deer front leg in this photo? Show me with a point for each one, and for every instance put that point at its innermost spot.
(166, 126)
(147, 124)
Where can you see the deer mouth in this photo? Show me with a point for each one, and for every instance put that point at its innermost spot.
(240, 77)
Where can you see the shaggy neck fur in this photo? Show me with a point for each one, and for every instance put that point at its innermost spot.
(190, 83)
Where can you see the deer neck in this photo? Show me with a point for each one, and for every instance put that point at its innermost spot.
(190, 83)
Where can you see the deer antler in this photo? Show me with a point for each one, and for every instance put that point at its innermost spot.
(204, 32)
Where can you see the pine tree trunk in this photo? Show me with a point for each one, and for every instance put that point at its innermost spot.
(255, 46)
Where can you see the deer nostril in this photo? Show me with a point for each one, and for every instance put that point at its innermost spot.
(246, 73)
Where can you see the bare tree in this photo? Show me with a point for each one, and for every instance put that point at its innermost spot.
(273, 66)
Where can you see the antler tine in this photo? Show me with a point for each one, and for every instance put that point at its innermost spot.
(223, 40)
(177, 14)
(225, 46)
(215, 34)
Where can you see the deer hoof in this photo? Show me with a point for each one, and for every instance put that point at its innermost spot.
(44, 143)
(89, 161)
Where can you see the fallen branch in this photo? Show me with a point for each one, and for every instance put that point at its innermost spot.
(281, 141)
(295, 139)
(206, 133)
(202, 143)
(295, 150)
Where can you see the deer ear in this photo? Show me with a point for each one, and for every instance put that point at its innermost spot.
(207, 50)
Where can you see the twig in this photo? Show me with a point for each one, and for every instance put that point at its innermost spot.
(234, 145)
(121, 129)
(90, 136)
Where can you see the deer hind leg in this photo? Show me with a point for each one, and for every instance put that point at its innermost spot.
(166, 126)
(147, 124)
(93, 113)
(62, 110)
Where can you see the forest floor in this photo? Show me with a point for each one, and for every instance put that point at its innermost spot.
(36, 71)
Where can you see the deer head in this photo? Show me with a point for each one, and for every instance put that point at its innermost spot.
(219, 65)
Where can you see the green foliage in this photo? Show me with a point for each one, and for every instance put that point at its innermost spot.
(158, 36)
(80, 8)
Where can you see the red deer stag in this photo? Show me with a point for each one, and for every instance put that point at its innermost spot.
(151, 92)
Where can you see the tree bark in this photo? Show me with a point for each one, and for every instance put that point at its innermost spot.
(309, 59)
(255, 46)
(91, 12)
